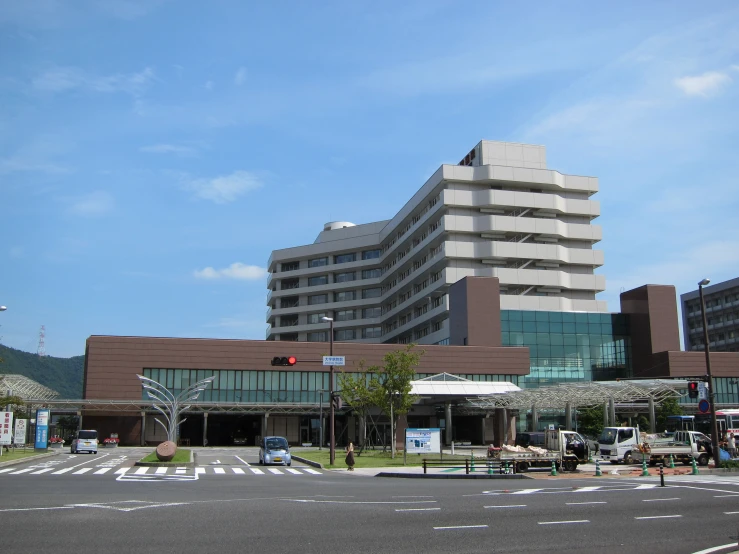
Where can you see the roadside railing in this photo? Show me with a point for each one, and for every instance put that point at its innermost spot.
(470, 466)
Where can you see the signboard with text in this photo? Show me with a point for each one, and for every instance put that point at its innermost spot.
(20, 431)
(334, 360)
(6, 427)
(423, 441)
(42, 429)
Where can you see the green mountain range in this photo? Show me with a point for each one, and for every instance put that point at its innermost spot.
(63, 375)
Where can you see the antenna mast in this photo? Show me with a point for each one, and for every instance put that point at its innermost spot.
(41, 351)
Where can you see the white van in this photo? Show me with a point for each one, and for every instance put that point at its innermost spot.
(85, 441)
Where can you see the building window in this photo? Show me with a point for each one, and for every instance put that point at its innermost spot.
(368, 313)
(370, 254)
(317, 262)
(316, 318)
(344, 296)
(371, 273)
(318, 280)
(290, 266)
(345, 315)
(372, 293)
(371, 332)
(317, 299)
(287, 284)
(289, 302)
(345, 334)
(344, 277)
(318, 336)
(345, 258)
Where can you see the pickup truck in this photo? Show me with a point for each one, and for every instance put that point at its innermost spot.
(566, 449)
(683, 446)
(617, 444)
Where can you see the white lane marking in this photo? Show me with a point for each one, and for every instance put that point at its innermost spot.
(729, 513)
(642, 487)
(256, 470)
(408, 496)
(199, 470)
(238, 470)
(219, 470)
(563, 522)
(34, 509)
(83, 471)
(658, 499)
(586, 489)
(7, 469)
(242, 461)
(102, 471)
(276, 471)
(716, 548)
(527, 491)
(583, 503)
(461, 527)
(416, 509)
(311, 501)
(311, 471)
(22, 471)
(295, 471)
(727, 495)
(180, 471)
(509, 506)
(122, 471)
(141, 470)
(39, 472)
(65, 470)
(658, 517)
(161, 470)
(62, 471)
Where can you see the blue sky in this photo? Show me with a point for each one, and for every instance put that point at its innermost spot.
(154, 153)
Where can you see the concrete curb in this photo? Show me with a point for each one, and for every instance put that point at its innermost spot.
(190, 464)
(307, 462)
(451, 476)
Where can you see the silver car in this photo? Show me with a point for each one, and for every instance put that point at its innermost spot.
(274, 450)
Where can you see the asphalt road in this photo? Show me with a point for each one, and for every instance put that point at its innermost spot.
(341, 511)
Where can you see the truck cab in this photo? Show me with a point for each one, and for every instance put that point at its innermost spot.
(571, 446)
(618, 443)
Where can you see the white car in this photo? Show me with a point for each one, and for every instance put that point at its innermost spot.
(85, 441)
(274, 450)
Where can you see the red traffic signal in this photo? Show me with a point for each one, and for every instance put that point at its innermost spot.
(693, 389)
(284, 360)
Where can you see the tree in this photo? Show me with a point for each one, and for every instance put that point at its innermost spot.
(668, 407)
(590, 421)
(391, 385)
(355, 390)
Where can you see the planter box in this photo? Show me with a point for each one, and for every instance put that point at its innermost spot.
(110, 445)
(56, 444)
(306, 444)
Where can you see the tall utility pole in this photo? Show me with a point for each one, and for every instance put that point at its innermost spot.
(332, 412)
(711, 392)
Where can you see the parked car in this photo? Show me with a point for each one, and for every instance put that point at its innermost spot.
(239, 439)
(274, 450)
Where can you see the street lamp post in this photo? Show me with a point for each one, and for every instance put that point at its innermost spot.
(711, 392)
(332, 412)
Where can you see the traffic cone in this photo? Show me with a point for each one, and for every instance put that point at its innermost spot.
(598, 472)
(695, 468)
(644, 470)
(590, 456)
(672, 462)
(554, 469)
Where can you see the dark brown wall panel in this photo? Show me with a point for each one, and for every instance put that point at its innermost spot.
(474, 312)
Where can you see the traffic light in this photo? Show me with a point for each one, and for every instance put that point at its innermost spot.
(337, 402)
(693, 389)
(284, 360)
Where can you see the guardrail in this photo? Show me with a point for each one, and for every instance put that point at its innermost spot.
(484, 466)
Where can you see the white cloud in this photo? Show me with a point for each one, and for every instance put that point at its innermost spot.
(91, 205)
(63, 79)
(707, 84)
(236, 270)
(168, 149)
(240, 77)
(225, 188)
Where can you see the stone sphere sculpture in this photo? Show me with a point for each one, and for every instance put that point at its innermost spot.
(166, 451)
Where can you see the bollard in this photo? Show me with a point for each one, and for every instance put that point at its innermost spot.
(490, 468)
(695, 468)
(661, 475)
(598, 472)
(590, 456)
(472, 462)
(644, 470)
(554, 469)
(672, 462)
(452, 448)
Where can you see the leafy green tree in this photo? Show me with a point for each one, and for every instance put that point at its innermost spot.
(590, 421)
(391, 385)
(355, 390)
(668, 407)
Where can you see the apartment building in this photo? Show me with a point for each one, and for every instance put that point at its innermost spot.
(499, 213)
(722, 317)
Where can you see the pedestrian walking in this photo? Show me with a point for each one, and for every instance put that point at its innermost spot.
(731, 445)
(350, 456)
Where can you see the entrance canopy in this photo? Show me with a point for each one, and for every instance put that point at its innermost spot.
(588, 393)
(444, 386)
(26, 388)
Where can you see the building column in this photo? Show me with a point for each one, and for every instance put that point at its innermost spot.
(534, 419)
(612, 412)
(652, 417)
(79, 420)
(510, 436)
(448, 417)
(606, 414)
(264, 424)
(484, 420)
(568, 416)
(205, 429)
(143, 428)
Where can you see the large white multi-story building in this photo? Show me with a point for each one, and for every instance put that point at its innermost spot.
(498, 213)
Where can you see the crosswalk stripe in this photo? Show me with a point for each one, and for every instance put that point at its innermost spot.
(275, 471)
(141, 471)
(587, 489)
(199, 470)
(219, 470)
(39, 472)
(102, 471)
(313, 471)
(62, 471)
(295, 471)
(22, 471)
(527, 491)
(238, 471)
(122, 471)
(645, 487)
(180, 471)
(82, 471)
(256, 471)
(161, 470)
(7, 469)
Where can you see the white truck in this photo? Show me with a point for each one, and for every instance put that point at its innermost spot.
(683, 446)
(566, 449)
(617, 444)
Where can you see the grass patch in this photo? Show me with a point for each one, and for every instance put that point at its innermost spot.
(373, 458)
(21, 453)
(180, 457)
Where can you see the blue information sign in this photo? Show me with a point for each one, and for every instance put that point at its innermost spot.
(42, 428)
